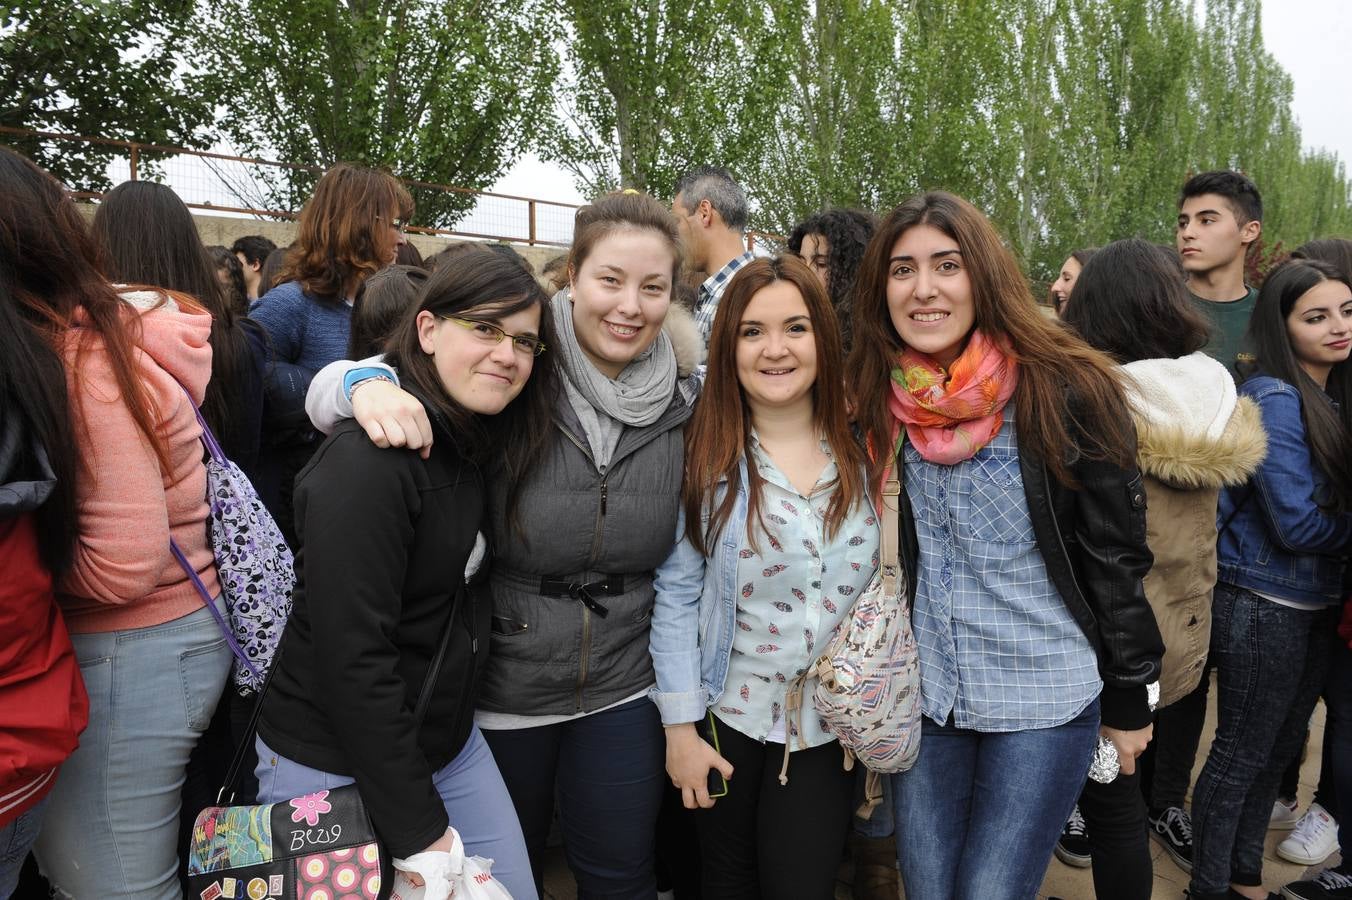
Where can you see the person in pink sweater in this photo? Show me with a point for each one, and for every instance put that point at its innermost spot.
(153, 660)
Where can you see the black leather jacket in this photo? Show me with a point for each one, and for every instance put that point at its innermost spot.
(1092, 540)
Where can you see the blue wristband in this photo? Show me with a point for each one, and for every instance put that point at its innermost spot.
(362, 374)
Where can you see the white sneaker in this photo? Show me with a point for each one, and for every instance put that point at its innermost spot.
(1314, 838)
(1284, 817)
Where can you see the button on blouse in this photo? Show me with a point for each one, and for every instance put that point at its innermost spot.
(794, 590)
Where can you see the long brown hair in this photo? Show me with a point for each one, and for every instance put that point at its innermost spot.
(343, 234)
(53, 269)
(720, 429)
(1069, 400)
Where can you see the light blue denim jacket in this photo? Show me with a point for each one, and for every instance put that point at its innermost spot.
(1277, 540)
(695, 616)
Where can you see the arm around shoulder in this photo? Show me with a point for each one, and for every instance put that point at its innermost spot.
(328, 401)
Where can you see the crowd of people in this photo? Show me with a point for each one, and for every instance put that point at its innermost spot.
(567, 546)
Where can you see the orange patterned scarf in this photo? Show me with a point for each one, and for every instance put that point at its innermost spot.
(951, 415)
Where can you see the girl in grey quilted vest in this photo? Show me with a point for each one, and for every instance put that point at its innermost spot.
(563, 702)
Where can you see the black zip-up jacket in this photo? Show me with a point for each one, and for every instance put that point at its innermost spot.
(385, 537)
(1092, 540)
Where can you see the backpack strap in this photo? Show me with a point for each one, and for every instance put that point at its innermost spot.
(210, 602)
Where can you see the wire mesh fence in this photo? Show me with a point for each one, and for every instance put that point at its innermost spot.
(265, 189)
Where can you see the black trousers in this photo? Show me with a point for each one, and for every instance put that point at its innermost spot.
(770, 840)
(1119, 846)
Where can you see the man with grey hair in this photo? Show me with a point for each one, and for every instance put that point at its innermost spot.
(711, 210)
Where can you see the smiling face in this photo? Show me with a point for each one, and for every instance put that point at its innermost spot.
(776, 349)
(929, 294)
(1209, 234)
(480, 374)
(1065, 282)
(1320, 328)
(621, 293)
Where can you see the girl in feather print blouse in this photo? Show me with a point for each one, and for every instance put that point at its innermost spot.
(776, 541)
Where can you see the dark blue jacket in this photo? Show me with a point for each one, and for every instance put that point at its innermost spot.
(1275, 539)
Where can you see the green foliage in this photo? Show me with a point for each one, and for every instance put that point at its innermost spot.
(1071, 122)
(102, 68)
(444, 93)
(652, 88)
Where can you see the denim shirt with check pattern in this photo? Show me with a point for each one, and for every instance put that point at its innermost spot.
(999, 649)
(711, 291)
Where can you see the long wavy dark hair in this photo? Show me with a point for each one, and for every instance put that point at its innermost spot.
(1328, 430)
(719, 432)
(847, 233)
(1069, 401)
(50, 270)
(149, 238)
(493, 286)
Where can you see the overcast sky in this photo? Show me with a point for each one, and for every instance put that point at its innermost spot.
(1310, 38)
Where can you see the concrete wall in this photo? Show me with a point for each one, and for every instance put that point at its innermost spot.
(224, 230)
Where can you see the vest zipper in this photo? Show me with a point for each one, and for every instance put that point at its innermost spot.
(586, 652)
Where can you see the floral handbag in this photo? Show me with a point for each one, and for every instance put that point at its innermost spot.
(868, 680)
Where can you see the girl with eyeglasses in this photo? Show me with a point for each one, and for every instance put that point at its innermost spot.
(564, 701)
(388, 542)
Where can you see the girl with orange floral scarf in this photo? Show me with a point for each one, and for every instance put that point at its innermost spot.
(1023, 529)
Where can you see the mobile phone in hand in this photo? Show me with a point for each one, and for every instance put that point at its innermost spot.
(707, 729)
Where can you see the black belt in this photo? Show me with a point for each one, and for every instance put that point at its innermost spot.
(612, 586)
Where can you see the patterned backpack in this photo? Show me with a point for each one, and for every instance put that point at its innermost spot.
(868, 680)
(256, 568)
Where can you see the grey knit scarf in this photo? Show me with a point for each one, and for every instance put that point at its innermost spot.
(605, 405)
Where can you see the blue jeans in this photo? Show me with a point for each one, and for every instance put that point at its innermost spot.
(607, 771)
(1270, 664)
(470, 787)
(111, 829)
(16, 839)
(978, 816)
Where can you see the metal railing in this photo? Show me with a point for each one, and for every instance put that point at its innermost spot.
(240, 186)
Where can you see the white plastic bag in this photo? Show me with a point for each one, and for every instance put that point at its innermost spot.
(447, 876)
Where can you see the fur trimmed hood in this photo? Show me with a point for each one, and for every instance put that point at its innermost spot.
(1192, 429)
(685, 339)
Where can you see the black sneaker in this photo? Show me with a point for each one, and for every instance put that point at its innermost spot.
(1072, 848)
(1173, 828)
(1330, 884)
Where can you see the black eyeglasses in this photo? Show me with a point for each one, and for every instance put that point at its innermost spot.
(489, 333)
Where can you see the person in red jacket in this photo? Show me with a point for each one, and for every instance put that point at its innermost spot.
(43, 705)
